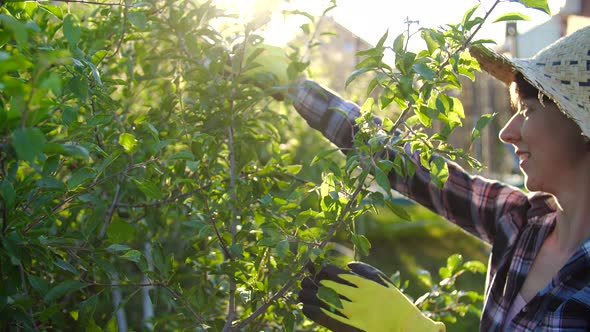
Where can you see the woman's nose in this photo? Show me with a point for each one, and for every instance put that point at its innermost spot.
(511, 131)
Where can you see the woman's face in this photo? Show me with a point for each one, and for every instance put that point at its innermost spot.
(549, 145)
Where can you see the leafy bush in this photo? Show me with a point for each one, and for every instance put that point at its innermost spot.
(146, 181)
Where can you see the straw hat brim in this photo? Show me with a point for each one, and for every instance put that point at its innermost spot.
(561, 71)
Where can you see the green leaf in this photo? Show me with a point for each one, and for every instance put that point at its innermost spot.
(80, 176)
(387, 124)
(330, 296)
(457, 107)
(128, 142)
(76, 151)
(541, 5)
(439, 171)
(132, 255)
(423, 70)
(469, 13)
(432, 43)
(52, 82)
(64, 288)
(398, 210)
(117, 247)
(28, 143)
(18, 29)
(355, 74)
(39, 284)
(483, 121)
(8, 194)
(512, 16)
(67, 149)
(382, 180)
(71, 29)
(444, 272)
(54, 10)
(293, 169)
(475, 266)
(398, 43)
(361, 243)
(138, 19)
(182, 155)
(382, 40)
(236, 250)
(120, 231)
(65, 266)
(305, 28)
(149, 188)
(79, 86)
(50, 183)
(425, 277)
(282, 249)
(453, 262)
(94, 71)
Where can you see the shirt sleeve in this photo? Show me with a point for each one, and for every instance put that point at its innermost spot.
(488, 209)
(325, 111)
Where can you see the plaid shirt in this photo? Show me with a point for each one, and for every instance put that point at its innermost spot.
(514, 223)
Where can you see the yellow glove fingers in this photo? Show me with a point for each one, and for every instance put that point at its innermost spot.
(350, 292)
(341, 319)
(371, 286)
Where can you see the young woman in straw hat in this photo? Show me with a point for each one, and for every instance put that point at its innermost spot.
(539, 269)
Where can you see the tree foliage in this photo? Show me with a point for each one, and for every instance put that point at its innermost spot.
(140, 168)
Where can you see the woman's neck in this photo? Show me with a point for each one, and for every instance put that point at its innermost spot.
(573, 215)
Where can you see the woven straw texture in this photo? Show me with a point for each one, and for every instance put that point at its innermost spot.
(561, 71)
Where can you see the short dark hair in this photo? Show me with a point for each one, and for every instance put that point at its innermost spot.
(521, 89)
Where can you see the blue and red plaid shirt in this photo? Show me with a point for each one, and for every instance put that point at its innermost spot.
(513, 222)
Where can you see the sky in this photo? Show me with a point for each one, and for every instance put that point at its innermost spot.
(369, 19)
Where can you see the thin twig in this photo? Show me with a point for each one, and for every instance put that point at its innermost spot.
(231, 312)
(120, 42)
(224, 247)
(186, 304)
(109, 215)
(26, 294)
(4, 217)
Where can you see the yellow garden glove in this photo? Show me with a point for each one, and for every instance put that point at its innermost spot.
(267, 64)
(370, 302)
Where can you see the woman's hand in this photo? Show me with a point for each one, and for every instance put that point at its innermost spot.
(369, 302)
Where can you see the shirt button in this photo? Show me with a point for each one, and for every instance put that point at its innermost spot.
(525, 309)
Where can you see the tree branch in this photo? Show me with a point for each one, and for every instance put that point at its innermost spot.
(109, 215)
(231, 312)
(26, 294)
(226, 251)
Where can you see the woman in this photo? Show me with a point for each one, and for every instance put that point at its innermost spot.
(539, 269)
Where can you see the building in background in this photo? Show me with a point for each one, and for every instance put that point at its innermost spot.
(334, 59)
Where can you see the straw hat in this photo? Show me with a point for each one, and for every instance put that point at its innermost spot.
(561, 71)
